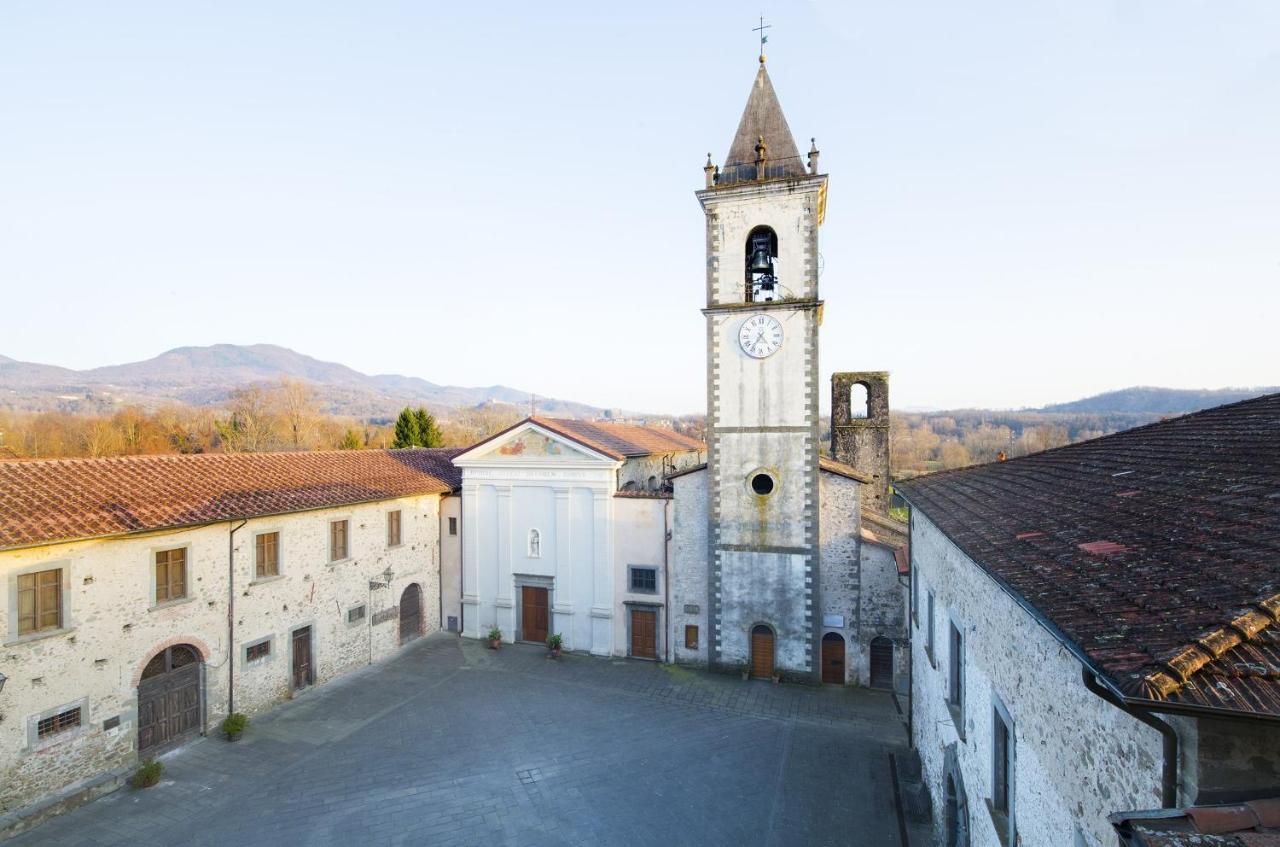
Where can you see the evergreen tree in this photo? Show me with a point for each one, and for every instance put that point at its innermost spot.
(428, 431)
(407, 434)
(351, 441)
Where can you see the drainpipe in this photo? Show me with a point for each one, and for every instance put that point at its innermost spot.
(231, 616)
(913, 581)
(666, 580)
(1169, 774)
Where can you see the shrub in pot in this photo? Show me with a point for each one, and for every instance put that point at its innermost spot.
(233, 725)
(495, 638)
(555, 643)
(148, 774)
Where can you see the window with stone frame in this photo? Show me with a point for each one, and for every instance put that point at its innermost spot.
(40, 601)
(1003, 768)
(171, 575)
(393, 528)
(266, 554)
(58, 723)
(339, 540)
(955, 677)
(257, 652)
(644, 580)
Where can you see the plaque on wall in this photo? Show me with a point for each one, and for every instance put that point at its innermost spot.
(833, 621)
(384, 615)
(691, 609)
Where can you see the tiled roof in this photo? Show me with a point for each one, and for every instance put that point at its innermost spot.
(621, 440)
(1155, 552)
(43, 501)
(1252, 824)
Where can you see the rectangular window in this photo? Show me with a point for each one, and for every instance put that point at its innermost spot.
(955, 678)
(644, 580)
(338, 544)
(1003, 767)
(40, 601)
(171, 575)
(928, 635)
(453, 526)
(61, 722)
(267, 554)
(691, 637)
(254, 652)
(356, 614)
(393, 528)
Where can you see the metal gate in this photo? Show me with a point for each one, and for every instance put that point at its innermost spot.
(170, 699)
(410, 613)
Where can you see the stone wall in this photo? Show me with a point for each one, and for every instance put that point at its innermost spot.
(861, 437)
(1223, 761)
(1078, 758)
(113, 627)
(882, 612)
(841, 565)
(689, 567)
(647, 473)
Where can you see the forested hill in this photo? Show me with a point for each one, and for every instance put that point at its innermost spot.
(1145, 400)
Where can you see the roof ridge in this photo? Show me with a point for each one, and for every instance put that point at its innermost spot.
(138, 457)
(1179, 669)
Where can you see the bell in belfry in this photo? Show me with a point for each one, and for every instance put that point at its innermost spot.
(761, 261)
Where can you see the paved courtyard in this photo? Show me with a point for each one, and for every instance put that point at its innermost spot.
(453, 744)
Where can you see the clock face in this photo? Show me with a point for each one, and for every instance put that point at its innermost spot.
(760, 336)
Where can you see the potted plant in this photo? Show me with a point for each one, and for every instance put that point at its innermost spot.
(495, 638)
(233, 725)
(148, 774)
(746, 672)
(777, 677)
(555, 643)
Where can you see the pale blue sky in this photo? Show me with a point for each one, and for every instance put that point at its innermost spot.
(1029, 202)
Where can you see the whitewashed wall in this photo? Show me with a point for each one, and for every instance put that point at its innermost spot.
(1078, 758)
(112, 628)
(450, 560)
(640, 540)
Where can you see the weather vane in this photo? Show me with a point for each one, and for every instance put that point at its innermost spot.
(763, 38)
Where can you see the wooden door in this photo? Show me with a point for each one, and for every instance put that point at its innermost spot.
(170, 696)
(303, 668)
(762, 652)
(534, 620)
(881, 663)
(833, 658)
(410, 613)
(644, 633)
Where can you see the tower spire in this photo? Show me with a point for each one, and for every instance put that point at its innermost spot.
(763, 37)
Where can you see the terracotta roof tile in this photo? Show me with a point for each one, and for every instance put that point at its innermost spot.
(621, 440)
(43, 501)
(1159, 588)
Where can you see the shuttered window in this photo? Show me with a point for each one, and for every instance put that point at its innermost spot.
(393, 528)
(338, 542)
(40, 601)
(267, 554)
(171, 575)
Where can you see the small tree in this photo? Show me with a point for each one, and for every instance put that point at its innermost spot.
(428, 431)
(406, 429)
(351, 440)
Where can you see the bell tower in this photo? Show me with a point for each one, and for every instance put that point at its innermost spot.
(763, 209)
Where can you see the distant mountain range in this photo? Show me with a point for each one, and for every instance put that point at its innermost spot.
(205, 376)
(1145, 400)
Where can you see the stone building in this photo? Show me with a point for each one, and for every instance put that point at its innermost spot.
(1096, 629)
(566, 531)
(146, 597)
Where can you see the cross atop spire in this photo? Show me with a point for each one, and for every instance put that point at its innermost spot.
(763, 38)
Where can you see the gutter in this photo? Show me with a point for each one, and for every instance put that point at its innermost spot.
(1169, 773)
(231, 615)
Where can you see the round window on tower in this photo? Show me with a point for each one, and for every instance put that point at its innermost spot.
(762, 483)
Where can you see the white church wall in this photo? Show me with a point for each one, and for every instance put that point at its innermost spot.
(639, 541)
(689, 567)
(450, 560)
(1077, 758)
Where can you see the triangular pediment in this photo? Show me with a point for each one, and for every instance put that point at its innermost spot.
(532, 443)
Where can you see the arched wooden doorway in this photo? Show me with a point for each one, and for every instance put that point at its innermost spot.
(410, 613)
(881, 662)
(170, 698)
(761, 652)
(833, 658)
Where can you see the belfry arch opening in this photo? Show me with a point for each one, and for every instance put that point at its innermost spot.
(859, 401)
(761, 263)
